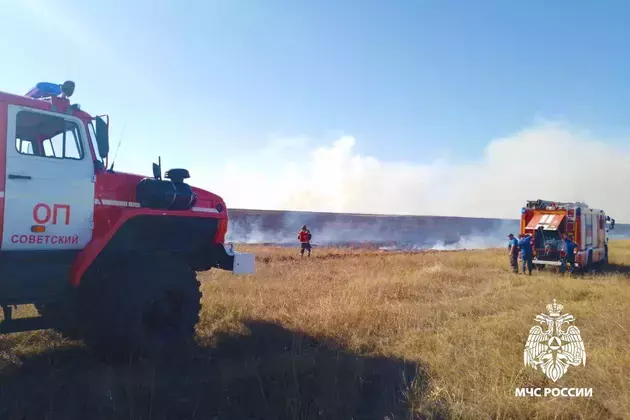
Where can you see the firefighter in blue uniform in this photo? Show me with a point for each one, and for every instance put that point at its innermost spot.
(570, 248)
(513, 252)
(527, 254)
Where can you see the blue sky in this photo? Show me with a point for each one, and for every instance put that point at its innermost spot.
(202, 83)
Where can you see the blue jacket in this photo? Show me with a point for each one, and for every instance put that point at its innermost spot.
(526, 246)
(569, 246)
(513, 242)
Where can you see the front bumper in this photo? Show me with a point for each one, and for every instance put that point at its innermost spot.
(236, 262)
(553, 263)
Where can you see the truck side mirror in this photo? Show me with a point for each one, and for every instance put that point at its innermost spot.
(102, 137)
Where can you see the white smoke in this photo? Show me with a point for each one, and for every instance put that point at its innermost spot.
(494, 239)
(550, 161)
(385, 233)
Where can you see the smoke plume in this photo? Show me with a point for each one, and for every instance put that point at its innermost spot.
(386, 233)
(550, 161)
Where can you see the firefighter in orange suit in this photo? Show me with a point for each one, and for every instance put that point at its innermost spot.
(304, 236)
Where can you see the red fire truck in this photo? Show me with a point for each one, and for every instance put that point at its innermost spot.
(113, 255)
(587, 227)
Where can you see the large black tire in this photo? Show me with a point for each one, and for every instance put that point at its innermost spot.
(599, 265)
(141, 304)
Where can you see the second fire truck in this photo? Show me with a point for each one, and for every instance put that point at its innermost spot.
(587, 227)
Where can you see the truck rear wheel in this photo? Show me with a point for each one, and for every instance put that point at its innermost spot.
(146, 304)
(589, 263)
(62, 313)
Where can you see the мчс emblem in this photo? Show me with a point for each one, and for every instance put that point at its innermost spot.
(550, 347)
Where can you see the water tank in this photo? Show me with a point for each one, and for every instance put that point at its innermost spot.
(173, 194)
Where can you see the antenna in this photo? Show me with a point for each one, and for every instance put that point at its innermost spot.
(111, 168)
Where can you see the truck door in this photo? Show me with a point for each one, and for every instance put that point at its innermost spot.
(49, 187)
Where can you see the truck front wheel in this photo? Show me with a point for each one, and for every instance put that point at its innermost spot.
(144, 304)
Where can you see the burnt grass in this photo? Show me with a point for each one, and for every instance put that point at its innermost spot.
(270, 373)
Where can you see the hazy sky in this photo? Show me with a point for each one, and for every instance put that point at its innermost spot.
(370, 106)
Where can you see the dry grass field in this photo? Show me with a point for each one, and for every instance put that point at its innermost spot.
(348, 334)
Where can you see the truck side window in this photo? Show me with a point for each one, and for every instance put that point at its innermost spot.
(589, 229)
(24, 146)
(48, 136)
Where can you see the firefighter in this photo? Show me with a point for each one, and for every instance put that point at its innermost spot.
(304, 236)
(513, 252)
(570, 248)
(525, 245)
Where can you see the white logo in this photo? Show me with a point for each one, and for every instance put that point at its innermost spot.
(553, 349)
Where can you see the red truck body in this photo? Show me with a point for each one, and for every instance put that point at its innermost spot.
(547, 220)
(64, 212)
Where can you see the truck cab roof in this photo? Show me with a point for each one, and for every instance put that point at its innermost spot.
(53, 104)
